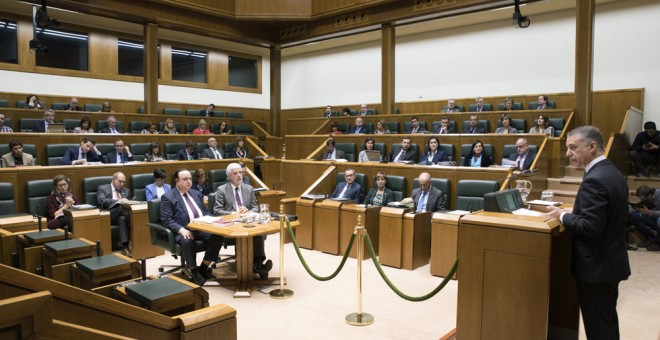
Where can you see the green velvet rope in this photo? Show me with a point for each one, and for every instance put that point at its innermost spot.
(396, 290)
(304, 263)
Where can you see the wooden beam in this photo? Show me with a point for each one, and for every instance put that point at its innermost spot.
(275, 88)
(388, 46)
(584, 59)
(151, 68)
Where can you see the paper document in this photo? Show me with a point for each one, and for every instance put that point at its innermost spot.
(527, 212)
(546, 203)
(458, 212)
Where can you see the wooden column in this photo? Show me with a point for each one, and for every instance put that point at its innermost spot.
(584, 43)
(387, 69)
(151, 68)
(275, 88)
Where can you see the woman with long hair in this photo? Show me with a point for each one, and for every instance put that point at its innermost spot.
(477, 156)
(368, 145)
(60, 199)
(433, 154)
(381, 128)
(239, 148)
(169, 127)
(154, 154)
(85, 126)
(543, 126)
(379, 195)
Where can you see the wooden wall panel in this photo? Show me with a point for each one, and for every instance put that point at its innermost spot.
(103, 54)
(280, 9)
(218, 69)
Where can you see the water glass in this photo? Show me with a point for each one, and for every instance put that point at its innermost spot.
(547, 195)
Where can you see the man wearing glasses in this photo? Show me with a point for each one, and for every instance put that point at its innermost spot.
(109, 196)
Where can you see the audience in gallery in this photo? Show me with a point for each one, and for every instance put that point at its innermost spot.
(543, 126)
(85, 126)
(239, 149)
(188, 153)
(331, 152)
(223, 129)
(73, 105)
(149, 129)
(200, 182)
(427, 197)
(16, 157)
(208, 111)
(86, 152)
(349, 189)
(169, 127)
(506, 125)
(478, 156)
(3, 127)
(201, 128)
(444, 127)
(334, 129)
(112, 127)
(543, 102)
(106, 107)
(379, 195)
(158, 188)
(42, 125)
(32, 102)
(154, 154)
(367, 146)
(381, 128)
(60, 199)
(645, 151)
(451, 106)
(433, 154)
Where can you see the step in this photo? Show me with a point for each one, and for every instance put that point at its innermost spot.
(572, 171)
(564, 196)
(567, 183)
(635, 182)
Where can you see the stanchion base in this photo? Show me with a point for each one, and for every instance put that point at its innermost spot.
(281, 294)
(355, 319)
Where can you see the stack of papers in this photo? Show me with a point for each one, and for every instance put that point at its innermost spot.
(546, 203)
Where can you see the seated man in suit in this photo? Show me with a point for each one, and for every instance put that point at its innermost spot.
(444, 127)
(330, 151)
(427, 197)
(212, 152)
(158, 188)
(107, 197)
(112, 126)
(86, 152)
(328, 111)
(474, 126)
(42, 125)
(121, 153)
(479, 105)
(451, 106)
(188, 153)
(349, 189)
(414, 126)
(73, 105)
(543, 102)
(16, 156)
(208, 112)
(359, 127)
(524, 157)
(363, 110)
(238, 197)
(406, 153)
(180, 206)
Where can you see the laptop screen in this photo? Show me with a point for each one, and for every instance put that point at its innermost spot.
(56, 128)
(373, 155)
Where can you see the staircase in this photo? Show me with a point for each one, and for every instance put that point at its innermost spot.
(566, 188)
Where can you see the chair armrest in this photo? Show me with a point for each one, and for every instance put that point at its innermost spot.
(155, 229)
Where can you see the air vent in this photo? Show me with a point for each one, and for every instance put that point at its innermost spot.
(351, 19)
(423, 5)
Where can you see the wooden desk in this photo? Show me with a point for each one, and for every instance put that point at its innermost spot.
(140, 235)
(327, 214)
(304, 232)
(444, 243)
(405, 238)
(7, 246)
(348, 221)
(29, 250)
(92, 225)
(244, 280)
(20, 222)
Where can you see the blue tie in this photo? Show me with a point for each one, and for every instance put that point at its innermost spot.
(421, 204)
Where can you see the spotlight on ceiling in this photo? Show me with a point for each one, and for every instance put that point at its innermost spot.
(42, 19)
(519, 20)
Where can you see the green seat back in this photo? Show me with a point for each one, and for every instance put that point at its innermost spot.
(440, 184)
(172, 112)
(392, 126)
(55, 152)
(35, 196)
(90, 187)
(4, 103)
(465, 150)
(70, 124)
(510, 149)
(470, 193)
(59, 106)
(449, 149)
(558, 125)
(190, 127)
(7, 202)
(92, 107)
(242, 129)
(535, 105)
(234, 114)
(217, 177)
(137, 126)
(139, 183)
(398, 185)
(27, 124)
(177, 126)
(172, 148)
(138, 150)
(348, 149)
(192, 112)
(515, 106)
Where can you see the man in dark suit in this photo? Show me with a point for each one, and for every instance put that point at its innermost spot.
(414, 126)
(328, 112)
(107, 197)
(112, 126)
(42, 125)
(451, 106)
(237, 197)
(359, 127)
(543, 102)
(121, 154)
(73, 105)
(597, 221)
(177, 208)
(444, 127)
(427, 197)
(331, 152)
(474, 126)
(406, 154)
(363, 110)
(188, 153)
(349, 189)
(478, 105)
(212, 152)
(524, 157)
(208, 112)
(86, 152)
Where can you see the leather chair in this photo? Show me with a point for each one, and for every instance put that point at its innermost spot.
(102, 124)
(392, 126)
(172, 148)
(35, 196)
(407, 126)
(352, 113)
(398, 185)
(510, 149)
(234, 114)
(92, 107)
(27, 124)
(55, 152)
(535, 105)
(138, 150)
(90, 188)
(172, 112)
(59, 106)
(486, 107)
(359, 178)
(372, 111)
(435, 126)
(470, 193)
(460, 107)
(7, 202)
(216, 177)
(192, 112)
(440, 184)
(518, 123)
(558, 124)
(139, 183)
(396, 148)
(177, 126)
(516, 106)
(190, 127)
(449, 149)
(349, 150)
(466, 148)
(466, 125)
(4, 103)
(343, 127)
(141, 109)
(105, 148)
(228, 147)
(20, 104)
(137, 126)
(71, 124)
(242, 129)
(164, 238)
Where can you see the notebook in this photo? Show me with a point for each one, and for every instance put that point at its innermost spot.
(373, 155)
(56, 128)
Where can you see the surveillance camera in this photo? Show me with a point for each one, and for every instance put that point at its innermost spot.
(520, 21)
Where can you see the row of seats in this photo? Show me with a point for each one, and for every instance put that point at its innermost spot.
(472, 108)
(351, 153)
(469, 194)
(519, 123)
(27, 124)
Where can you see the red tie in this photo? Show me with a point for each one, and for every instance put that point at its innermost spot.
(191, 205)
(118, 194)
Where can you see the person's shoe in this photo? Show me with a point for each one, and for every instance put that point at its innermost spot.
(263, 268)
(197, 277)
(206, 271)
(653, 247)
(645, 243)
(126, 252)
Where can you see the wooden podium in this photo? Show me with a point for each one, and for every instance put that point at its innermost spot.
(304, 233)
(444, 243)
(405, 238)
(92, 225)
(140, 235)
(327, 216)
(348, 221)
(515, 280)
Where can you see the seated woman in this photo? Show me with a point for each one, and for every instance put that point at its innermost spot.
(199, 182)
(506, 125)
(380, 195)
(434, 154)
(158, 188)
(334, 129)
(149, 129)
(170, 128)
(239, 149)
(381, 128)
(201, 128)
(543, 126)
(154, 154)
(508, 104)
(32, 102)
(477, 157)
(84, 126)
(223, 129)
(368, 145)
(59, 200)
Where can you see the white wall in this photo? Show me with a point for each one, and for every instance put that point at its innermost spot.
(489, 59)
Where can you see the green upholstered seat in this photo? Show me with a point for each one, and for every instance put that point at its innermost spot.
(392, 126)
(516, 106)
(71, 124)
(242, 129)
(558, 125)
(217, 177)
(396, 148)
(138, 126)
(509, 149)
(60, 106)
(486, 107)
(470, 193)
(46, 235)
(343, 127)
(92, 264)
(148, 292)
(172, 148)
(141, 109)
(55, 152)
(22, 105)
(172, 112)
(190, 127)
(65, 246)
(105, 148)
(449, 149)
(139, 183)
(228, 147)
(138, 150)
(27, 124)
(192, 112)
(535, 105)
(9, 123)
(7, 202)
(466, 125)
(466, 148)
(398, 185)
(4, 103)
(348, 149)
(90, 187)
(102, 124)
(440, 184)
(92, 107)
(234, 114)
(35, 195)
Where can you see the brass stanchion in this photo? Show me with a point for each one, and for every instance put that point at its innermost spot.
(359, 318)
(281, 293)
